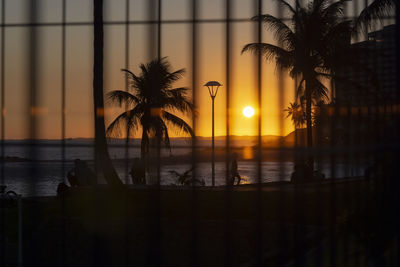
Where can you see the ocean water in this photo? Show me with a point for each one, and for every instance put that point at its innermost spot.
(49, 168)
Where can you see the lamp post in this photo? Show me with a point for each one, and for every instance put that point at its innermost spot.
(213, 90)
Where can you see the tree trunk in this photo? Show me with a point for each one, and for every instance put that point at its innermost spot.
(102, 158)
(310, 160)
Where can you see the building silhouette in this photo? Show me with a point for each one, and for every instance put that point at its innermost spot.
(373, 78)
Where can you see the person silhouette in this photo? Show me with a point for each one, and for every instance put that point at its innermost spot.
(81, 174)
(138, 172)
(234, 170)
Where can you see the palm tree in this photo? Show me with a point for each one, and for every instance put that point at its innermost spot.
(152, 100)
(306, 47)
(296, 113)
(103, 160)
(186, 178)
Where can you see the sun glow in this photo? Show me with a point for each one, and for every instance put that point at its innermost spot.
(248, 112)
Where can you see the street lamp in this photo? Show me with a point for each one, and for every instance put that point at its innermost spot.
(213, 90)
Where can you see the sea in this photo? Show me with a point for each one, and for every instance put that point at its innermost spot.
(36, 168)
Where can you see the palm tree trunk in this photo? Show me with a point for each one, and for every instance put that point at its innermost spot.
(143, 145)
(102, 158)
(310, 160)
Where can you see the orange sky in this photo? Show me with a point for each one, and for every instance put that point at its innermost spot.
(212, 66)
(176, 44)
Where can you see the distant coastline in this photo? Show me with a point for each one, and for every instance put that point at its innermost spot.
(293, 139)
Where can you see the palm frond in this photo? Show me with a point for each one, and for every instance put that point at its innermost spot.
(334, 10)
(114, 129)
(177, 100)
(325, 75)
(300, 89)
(176, 75)
(121, 122)
(178, 91)
(127, 119)
(128, 72)
(188, 171)
(377, 10)
(180, 124)
(317, 5)
(166, 135)
(282, 32)
(284, 58)
(133, 80)
(295, 111)
(320, 91)
(122, 97)
(288, 6)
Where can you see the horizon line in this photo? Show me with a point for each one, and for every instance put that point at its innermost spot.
(138, 138)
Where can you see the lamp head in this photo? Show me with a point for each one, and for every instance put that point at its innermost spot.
(213, 88)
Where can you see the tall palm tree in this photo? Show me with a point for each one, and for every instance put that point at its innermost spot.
(102, 157)
(295, 111)
(306, 46)
(152, 100)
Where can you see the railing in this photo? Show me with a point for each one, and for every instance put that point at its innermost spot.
(268, 220)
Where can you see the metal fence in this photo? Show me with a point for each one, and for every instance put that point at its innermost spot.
(267, 222)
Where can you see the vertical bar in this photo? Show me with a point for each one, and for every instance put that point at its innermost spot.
(151, 47)
(32, 68)
(127, 89)
(102, 157)
(332, 186)
(159, 25)
(3, 94)
(97, 70)
(212, 143)
(154, 164)
(63, 122)
(20, 240)
(228, 188)
(127, 140)
(259, 218)
(158, 251)
(2, 133)
(284, 202)
(97, 90)
(397, 103)
(367, 141)
(63, 91)
(194, 199)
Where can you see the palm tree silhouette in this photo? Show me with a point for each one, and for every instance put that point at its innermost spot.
(152, 100)
(295, 111)
(103, 160)
(306, 48)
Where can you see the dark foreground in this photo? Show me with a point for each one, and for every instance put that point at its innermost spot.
(347, 223)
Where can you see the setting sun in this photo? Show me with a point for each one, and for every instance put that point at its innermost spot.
(248, 112)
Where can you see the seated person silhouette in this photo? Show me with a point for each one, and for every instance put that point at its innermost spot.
(234, 171)
(81, 174)
(138, 172)
(302, 173)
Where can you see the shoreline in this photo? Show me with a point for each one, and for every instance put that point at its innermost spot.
(270, 155)
(275, 186)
